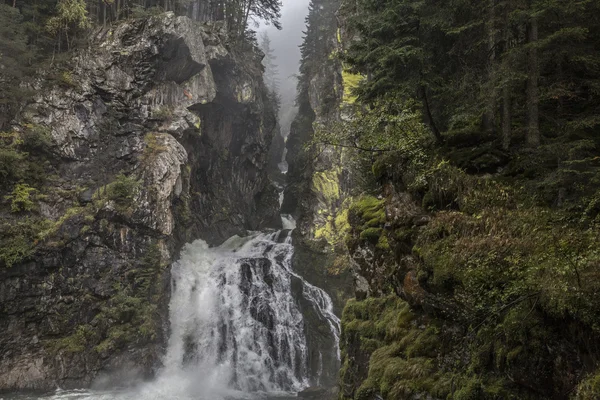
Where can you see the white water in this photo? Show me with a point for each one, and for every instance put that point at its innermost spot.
(232, 313)
(236, 329)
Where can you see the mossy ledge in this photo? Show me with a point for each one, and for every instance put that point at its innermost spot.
(497, 280)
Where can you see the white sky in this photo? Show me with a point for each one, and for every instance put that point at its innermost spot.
(285, 44)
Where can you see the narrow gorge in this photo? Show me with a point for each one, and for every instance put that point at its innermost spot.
(317, 199)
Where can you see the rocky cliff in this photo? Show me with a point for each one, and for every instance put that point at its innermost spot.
(155, 135)
(319, 182)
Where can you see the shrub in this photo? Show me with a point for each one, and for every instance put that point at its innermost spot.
(22, 198)
(163, 113)
(36, 137)
(153, 147)
(18, 240)
(123, 189)
(11, 164)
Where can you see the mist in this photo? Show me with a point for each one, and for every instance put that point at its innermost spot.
(285, 44)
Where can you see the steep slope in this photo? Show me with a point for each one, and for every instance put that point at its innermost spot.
(474, 257)
(157, 134)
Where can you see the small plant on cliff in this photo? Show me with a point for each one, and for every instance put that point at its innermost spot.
(21, 198)
(123, 189)
(36, 137)
(11, 159)
(154, 146)
(163, 113)
(18, 240)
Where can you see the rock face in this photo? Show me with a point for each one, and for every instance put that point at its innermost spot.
(159, 136)
(319, 189)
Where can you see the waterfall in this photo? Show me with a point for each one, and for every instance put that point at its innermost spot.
(237, 330)
(238, 325)
(233, 314)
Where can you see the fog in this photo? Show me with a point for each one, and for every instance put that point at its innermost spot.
(285, 45)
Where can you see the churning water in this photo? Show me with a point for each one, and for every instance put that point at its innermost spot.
(237, 331)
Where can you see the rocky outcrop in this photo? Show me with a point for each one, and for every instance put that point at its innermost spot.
(157, 135)
(319, 184)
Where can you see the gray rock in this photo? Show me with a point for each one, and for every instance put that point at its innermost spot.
(164, 102)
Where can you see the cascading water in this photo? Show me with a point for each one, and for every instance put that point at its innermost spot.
(233, 311)
(236, 325)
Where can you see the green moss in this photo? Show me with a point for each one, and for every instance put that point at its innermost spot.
(589, 388)
(382, 243)
(371, 234)
(367, 212)
(327, 185)
(403, 355)
(350, 82)
(335, 228)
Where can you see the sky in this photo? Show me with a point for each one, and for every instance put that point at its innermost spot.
(285, 43)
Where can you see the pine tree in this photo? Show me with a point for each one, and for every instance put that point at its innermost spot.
(461, 60)
(271, 69)
(15, 61)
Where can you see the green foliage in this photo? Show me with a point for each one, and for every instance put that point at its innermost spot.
(11, 163)
(138, 11)
(126, 319)
(123, 189)
(386, 125)
(326, 184)
(589, 388)
(70, 15)
(74, 343)
(510, 256)
(18, 239)
(36, 137)
(456, 59)
(154, 146)
(21, 198)
(131, 315)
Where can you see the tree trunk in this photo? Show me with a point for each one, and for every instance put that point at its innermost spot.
(489, 115)
(533, 97)
(427, 114)
(14, 3)
(246, 16)
(506, 95)
(506, 117)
